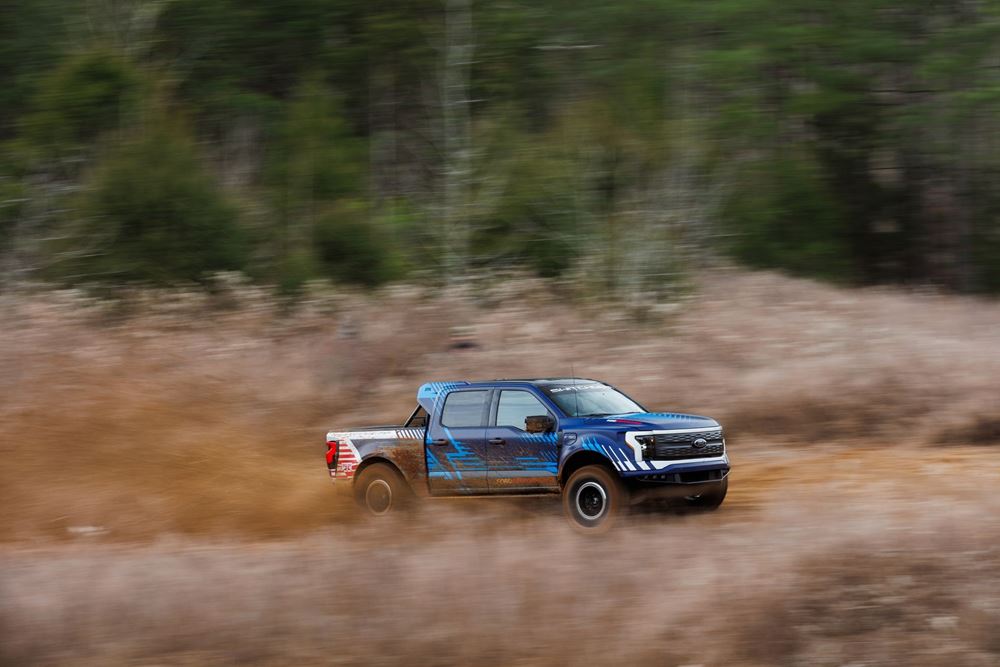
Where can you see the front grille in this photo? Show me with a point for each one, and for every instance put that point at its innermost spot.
(675, 446)
(674, 452)
(688, 438)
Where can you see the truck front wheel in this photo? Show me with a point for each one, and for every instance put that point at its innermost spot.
(594, 498)
(379, 490)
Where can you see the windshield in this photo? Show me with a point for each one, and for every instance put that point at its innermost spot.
(590, 400)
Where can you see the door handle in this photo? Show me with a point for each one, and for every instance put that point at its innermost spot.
(496, 441)
(440, 442)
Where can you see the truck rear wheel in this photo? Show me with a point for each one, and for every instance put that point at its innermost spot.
(594, 498)
(379, 489)
(710, 500)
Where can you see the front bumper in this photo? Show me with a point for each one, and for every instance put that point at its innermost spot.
(686, 472)
(675, 485)
(677, 472)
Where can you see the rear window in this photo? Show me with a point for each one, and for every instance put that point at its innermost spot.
(418, 419)
(464, 408)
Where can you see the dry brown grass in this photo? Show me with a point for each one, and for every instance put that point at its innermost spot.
(165, 500)
(183, 413)
(888, 586)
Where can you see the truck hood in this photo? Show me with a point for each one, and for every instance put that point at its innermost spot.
(649, 421)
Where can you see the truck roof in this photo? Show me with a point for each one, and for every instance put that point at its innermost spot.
(558, 380)
(430, 393)
(537, 381)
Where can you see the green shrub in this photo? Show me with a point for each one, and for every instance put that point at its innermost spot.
(314, 156)
(784, 216)
(533, 223)
(87, 94)
(351, 248)
(154, 215)
(294, 270)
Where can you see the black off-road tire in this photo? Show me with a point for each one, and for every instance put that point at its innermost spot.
(710, 500)
(379, 489)
(594, 498)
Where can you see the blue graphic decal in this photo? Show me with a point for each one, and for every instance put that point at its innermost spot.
(434, 467)
(540, 438)
(463, 458)
(535, 465)
(620, 457)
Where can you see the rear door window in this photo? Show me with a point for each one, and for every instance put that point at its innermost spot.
(464, 409)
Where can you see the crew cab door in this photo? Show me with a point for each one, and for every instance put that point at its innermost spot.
(520, 462)
(456, 443)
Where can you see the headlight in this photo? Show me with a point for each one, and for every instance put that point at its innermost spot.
(647, 444)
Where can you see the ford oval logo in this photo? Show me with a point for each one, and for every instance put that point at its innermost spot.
(699, 443)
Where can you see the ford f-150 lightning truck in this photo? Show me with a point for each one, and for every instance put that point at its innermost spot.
(580, 438)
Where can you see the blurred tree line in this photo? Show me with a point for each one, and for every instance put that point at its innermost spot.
(624, 144)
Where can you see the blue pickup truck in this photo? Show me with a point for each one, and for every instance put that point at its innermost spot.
(580, 438)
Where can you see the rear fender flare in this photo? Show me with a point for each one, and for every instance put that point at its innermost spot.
(379, 459)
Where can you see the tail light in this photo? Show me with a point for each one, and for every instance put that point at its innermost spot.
(331, 453)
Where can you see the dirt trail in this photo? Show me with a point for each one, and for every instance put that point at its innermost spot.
(826, 556)
(849, 472)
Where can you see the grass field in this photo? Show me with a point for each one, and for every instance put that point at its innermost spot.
(166, 502)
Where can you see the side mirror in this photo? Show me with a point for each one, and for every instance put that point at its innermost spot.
(539, 424)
